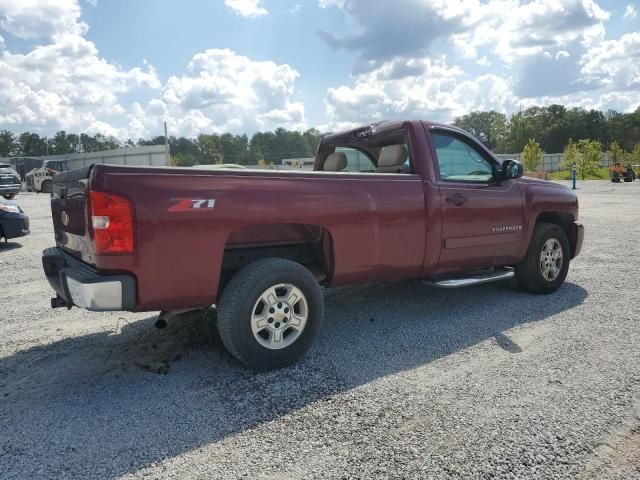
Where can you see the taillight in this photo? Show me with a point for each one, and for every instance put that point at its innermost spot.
(112, 223)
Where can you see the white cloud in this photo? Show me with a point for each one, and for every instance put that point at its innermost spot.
(407, 88)
(631, 11)
(63, 82)
(529, 29)
(64, 85)
(541, 51)
(515, 31)
(223, 91)
(33, 19)
(614, 63)
(295, 9)
(247, 8)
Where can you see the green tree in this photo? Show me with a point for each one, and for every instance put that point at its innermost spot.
(616, 153)
(518, 131)
(8, 145)
(31, 145)
(633, 157)
(588, 159)
(531, 155)
(487, 127)
(570, 155)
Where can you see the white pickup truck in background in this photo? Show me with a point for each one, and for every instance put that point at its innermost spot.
(39, 179)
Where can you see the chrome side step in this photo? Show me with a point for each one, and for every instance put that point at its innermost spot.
(499, 274)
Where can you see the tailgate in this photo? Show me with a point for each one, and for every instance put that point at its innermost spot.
(69, 211)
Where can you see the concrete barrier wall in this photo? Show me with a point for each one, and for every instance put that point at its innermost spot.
(153, 155)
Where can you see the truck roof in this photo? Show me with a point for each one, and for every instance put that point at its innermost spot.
(383, 126)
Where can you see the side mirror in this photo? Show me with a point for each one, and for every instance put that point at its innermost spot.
(511, 169)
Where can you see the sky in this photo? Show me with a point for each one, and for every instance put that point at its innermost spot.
(122, 67)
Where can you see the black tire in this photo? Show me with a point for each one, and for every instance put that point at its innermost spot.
(45, 187)
(10, 196)
(237, 303)
(529, 272)
(628, 179)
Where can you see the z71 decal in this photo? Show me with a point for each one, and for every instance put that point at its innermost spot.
(185, 204)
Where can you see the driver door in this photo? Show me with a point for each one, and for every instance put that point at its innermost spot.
(482, 218)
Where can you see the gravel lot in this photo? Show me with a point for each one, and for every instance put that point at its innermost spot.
(406, 381)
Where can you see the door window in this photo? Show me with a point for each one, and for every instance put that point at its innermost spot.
(459, 161)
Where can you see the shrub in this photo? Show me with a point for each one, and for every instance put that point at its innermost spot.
(532, 155)
(588, 161)
(570, 155)
(633, 157)
(586, 154)
(616, 153)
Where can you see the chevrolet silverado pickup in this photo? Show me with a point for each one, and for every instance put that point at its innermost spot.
(385, 202)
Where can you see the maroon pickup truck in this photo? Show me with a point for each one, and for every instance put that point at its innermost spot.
(385, 202)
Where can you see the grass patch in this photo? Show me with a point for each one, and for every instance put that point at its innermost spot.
(601, 174)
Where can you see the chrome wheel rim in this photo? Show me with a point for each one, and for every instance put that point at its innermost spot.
(279, 316)
(551, 259)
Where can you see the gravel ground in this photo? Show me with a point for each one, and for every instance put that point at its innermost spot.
(405, 381)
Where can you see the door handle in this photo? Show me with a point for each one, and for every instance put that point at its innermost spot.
(457, 199)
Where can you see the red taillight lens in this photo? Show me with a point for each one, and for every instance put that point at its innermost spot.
(112, 223)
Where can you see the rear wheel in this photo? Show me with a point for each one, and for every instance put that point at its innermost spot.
(545, 267)
(45, 187)
(9, 196)
(270, 313)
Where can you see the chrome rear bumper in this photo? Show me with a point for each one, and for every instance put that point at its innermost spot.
(79, 284)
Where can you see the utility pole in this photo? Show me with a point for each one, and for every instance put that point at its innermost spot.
(166, 144)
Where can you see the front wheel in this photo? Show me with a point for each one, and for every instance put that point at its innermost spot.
(270, 313)
(546, 264)
(9, 196)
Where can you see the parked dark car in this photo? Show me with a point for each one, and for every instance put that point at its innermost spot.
(13, 221)
(9, 181)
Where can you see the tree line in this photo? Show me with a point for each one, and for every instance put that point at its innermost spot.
(261, 148)
(552, 127)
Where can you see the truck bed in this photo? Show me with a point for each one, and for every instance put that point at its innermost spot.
(374, 225)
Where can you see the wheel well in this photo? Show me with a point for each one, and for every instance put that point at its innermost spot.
(309, 245)
(563, 220)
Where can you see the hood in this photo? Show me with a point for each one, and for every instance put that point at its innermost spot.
(539, 181)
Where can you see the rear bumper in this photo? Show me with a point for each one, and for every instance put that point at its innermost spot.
(79, 284)
(8, 189)
(578, 235)
(14, 225)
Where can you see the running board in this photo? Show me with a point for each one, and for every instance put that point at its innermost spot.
(499, 274)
